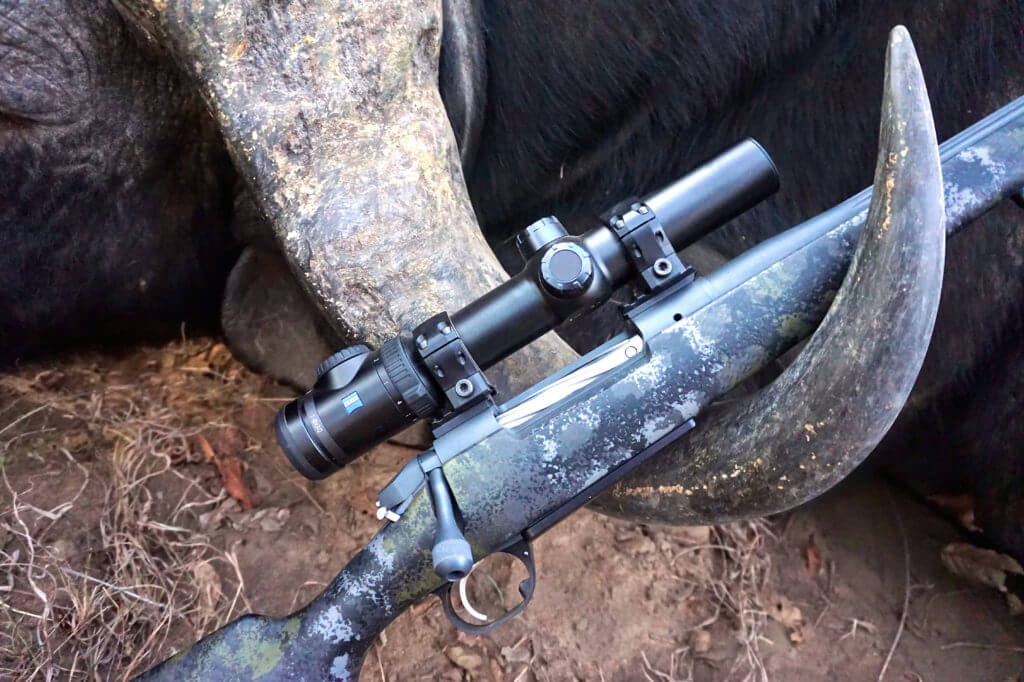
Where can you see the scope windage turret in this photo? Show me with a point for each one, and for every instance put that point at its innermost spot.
(362, 397)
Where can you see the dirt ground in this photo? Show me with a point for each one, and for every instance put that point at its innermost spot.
(144, 502)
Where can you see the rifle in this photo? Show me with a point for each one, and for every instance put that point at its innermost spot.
(498, 476)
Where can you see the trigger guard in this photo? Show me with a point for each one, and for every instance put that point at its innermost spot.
(521, 550)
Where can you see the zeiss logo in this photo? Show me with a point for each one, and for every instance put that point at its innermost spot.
(351, 402)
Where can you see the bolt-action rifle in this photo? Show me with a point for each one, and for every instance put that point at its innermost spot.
(499, 475)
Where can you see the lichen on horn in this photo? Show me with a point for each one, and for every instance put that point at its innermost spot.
(332, 114)
(829, 409)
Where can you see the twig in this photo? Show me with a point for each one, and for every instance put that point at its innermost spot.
(906, 587)
(24, 417)
(981, 645)
(53, 514)
(380, 662)
(23, 613)
(232, 558)
(122, 590)
(857, 623)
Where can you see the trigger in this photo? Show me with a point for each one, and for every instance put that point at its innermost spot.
(521, 550)
(466, 604)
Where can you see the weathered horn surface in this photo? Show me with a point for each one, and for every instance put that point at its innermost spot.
(332, 113)
(829, 409)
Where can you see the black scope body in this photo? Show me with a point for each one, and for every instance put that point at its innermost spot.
(362, 397)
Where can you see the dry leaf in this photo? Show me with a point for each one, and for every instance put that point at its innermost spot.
(230, 469)
(208, 582)
(213, 519)
(786, 613)
(464, 658)
(516, 654)
(701, 641)
(275, 522)
(812, 556)
(961, 507)
(268, 519)
(983, 567)
(228, 440)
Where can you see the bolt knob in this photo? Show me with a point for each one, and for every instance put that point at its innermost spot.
(452, 558)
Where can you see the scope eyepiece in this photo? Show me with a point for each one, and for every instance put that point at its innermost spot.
(362, 397)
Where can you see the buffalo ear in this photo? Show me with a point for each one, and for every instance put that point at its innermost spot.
(828, 410)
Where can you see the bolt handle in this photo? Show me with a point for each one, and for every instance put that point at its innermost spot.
(451, 554)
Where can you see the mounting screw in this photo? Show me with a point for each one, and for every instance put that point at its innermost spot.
(662, 267)
(464, 388)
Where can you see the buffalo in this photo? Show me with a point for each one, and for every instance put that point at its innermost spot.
(319, 171)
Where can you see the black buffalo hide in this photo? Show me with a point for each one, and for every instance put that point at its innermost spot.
(115, 189)
(589, 102)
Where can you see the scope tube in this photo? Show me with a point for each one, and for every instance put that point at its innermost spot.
(715, 193)
(519, 311)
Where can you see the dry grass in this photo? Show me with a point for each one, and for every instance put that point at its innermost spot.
(731, 572)
(144, 580)
(741, 583)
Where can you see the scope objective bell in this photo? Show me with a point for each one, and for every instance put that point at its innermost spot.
(360, 398)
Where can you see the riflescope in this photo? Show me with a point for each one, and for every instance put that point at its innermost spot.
(362, 397)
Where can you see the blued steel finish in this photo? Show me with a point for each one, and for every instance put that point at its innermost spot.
(521, 309)
(703, 200)
(561, 280)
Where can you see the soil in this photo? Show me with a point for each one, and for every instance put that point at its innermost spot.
(814, 594)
